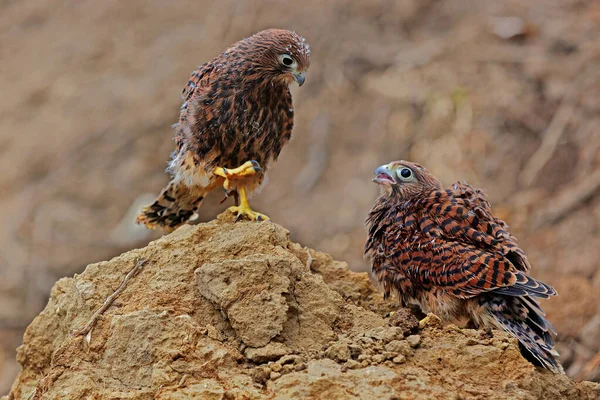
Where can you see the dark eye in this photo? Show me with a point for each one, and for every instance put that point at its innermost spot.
(405, 173)
(287, 60)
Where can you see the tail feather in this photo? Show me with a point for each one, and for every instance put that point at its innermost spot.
(537, 316)
(526, 285)
(519, 318)
(174, 206)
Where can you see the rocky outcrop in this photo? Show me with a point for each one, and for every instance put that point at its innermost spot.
(223, 311)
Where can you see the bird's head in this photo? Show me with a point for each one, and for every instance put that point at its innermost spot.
(405, 179)
(282, 55)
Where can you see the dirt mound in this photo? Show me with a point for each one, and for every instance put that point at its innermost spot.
(485, 91)
(223, 310)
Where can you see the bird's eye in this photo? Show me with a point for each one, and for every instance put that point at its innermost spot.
(405, 173)
(287, 60)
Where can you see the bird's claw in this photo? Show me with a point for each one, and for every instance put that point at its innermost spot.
(227, 194)
(246, 169)
(249, 168)
(245, 211)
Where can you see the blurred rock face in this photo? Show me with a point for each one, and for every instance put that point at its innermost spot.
(504, 95)
(236, 310)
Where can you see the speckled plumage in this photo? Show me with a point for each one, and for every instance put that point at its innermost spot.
(444, 250)
(236, 108)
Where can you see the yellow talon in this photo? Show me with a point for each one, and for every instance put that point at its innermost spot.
(244, 210)
(248, 168)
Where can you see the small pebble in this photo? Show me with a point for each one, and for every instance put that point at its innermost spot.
(287, 368)
(300, 367)
(399, 359)
(275, 367)
(414, 340)
(399, 346)
(261, 374)
(338, 352)
(288, 359)
(404, 319)
(275, 375)
(378, 358)
(385, 334)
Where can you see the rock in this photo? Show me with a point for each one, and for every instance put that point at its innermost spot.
(232, 285)
(414, 340)
(204, 389)
(339, 352)
(213, 333)
(404, 319)
(399, 359)
(300, 367)
(270, 352)
(384, 333)
(276, 367)
(511, 27)
(289, 359)
(215, 302)
(378, 358)
(261, 374)
(274, 375)
(430, 321)
(399, 347)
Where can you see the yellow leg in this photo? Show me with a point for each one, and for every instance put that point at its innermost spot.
(247, 169)
(244, 210)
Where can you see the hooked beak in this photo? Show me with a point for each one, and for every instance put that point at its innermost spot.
(299, 77)
(383, 175)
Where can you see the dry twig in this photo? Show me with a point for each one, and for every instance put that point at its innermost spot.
(572, 197)
(110, 299)
(557, 126)
(549, 142)
(309, 259)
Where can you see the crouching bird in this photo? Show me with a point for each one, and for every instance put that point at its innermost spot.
(236, 116)
(443, 250)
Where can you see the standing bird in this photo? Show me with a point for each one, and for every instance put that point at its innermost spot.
(236, 116)
(442, 249)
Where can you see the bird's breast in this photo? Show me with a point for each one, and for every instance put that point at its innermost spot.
(262, 125)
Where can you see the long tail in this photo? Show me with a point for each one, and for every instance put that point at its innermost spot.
(173, 207)
(523, 318)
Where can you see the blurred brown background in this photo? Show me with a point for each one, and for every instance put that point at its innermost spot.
(503, 94)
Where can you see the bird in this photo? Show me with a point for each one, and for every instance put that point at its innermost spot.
(236, 116)
(444, 251)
